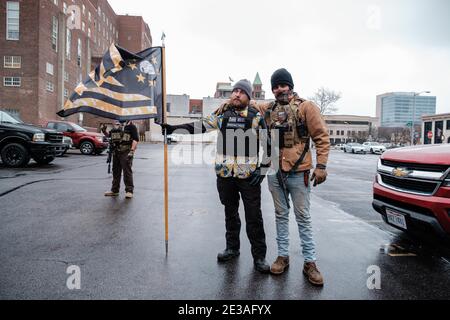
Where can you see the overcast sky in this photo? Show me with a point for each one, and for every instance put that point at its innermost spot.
(360, 48)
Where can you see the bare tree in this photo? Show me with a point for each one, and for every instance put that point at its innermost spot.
(326, 99)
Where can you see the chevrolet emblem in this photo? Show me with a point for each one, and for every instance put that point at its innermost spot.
(401, 172)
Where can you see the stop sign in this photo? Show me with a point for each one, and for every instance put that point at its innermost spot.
(430, 134)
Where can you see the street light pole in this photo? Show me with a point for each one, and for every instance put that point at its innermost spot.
(415, 94)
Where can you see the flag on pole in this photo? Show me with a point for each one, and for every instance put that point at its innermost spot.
(125, 86)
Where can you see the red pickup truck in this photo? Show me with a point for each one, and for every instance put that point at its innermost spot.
(87, 142)
(412, 189)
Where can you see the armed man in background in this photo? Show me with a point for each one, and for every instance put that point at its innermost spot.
(124, 138)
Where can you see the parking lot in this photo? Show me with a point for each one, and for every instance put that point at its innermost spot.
(56, 216)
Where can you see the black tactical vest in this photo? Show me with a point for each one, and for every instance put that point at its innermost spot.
(121, 137)
(244, 141)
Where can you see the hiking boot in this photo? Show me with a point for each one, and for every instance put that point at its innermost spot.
(313, 274)
(227, 255)
(129, 195)
(280, 265)
(261, 265)
(111, 194)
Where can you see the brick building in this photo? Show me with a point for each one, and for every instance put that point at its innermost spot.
(48, 46)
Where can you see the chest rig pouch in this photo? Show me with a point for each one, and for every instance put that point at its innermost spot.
(236, 137)
(121, 139)
(290, 127)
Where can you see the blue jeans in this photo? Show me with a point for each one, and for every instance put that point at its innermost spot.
(300, 195)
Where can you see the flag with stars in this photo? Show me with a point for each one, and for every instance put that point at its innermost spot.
(125, 86)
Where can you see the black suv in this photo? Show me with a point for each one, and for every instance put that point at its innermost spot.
(19, 142)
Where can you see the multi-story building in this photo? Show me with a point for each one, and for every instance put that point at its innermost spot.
(48, 46)
(224, 89)
(436, 129)
(348, 128)
(396, 109)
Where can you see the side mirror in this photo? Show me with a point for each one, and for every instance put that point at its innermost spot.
(70, 130)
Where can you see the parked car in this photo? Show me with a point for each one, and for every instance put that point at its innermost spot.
(374, 147)
(68, 144)
(19, 142)
(339, 147)
(412, 189)
(172, 138)
(88, 142)
(354, 148)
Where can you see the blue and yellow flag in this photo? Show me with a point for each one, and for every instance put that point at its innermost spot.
(125, 86)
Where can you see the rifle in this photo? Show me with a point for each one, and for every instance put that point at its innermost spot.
(282, 181)
(110, 154)
(283, 177)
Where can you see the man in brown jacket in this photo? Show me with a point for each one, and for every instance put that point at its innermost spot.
(293, 122)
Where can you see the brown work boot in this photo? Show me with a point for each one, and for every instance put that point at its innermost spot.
(280, 265)
(313, 274)
(111, 194)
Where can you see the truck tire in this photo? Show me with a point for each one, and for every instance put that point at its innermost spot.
(87, 148)
(15, 155)
(43, 161)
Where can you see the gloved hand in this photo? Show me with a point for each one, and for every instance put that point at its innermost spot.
(131, 154)
(257, 177)
(319, 176)
(170, 129)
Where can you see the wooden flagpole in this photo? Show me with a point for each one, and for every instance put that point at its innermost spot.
(166, 157)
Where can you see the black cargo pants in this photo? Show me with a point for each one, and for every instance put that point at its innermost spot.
(229, 191)
(121, 162)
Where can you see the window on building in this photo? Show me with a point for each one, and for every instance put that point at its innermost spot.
(338, 132)
(342, 132)
(65, 8)
(79, 53)
(331, 132)
(55, 2)
(448, 124)
(12, 62)
(68, 43)
(12, 81)
(89, 32)
(99, 12)
(50, 87)
(49, 68)
(66, 76)
(12, 20)
(55, 33)
(84, 9)
(89, 16)
(83, 26)
(66, 93)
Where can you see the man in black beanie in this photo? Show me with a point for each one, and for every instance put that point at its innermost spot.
(297, 121)
(238, 170)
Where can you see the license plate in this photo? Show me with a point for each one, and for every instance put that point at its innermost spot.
(396, 218)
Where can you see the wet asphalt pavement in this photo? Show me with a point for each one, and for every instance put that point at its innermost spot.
(56, 216)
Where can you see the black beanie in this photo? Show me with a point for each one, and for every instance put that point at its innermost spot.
(282, 76)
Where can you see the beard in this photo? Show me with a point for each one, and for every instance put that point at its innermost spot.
(239, 103)
(284, 97)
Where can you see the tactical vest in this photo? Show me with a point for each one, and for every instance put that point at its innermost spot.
(121, 139)
(244, 141)
(291, 128)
